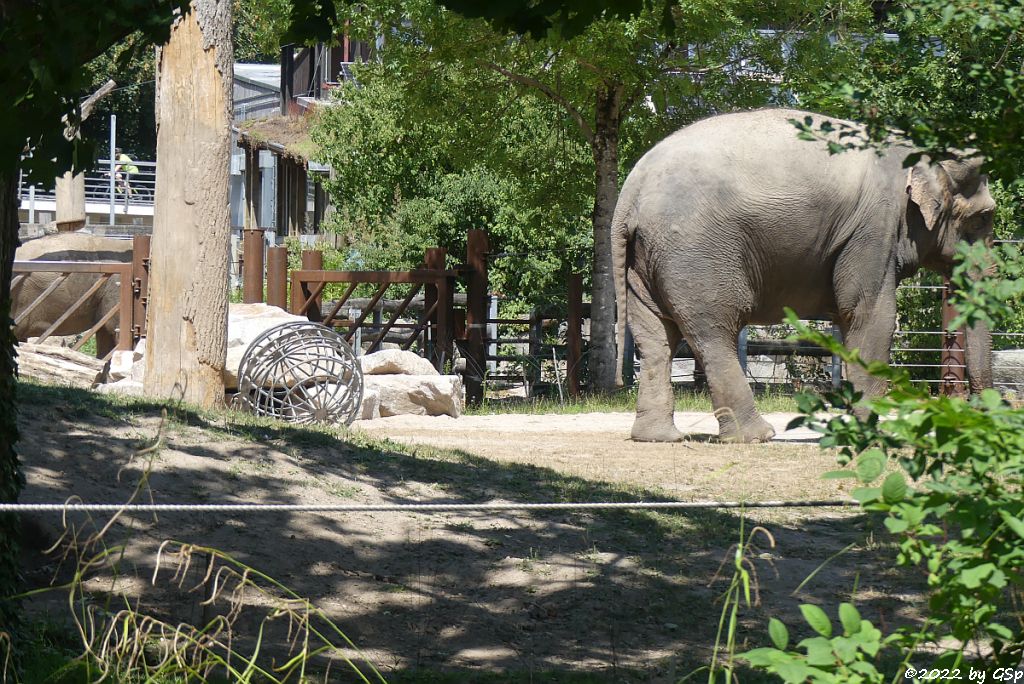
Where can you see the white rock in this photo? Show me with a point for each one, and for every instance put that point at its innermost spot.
(122, 364)
(58, 365)
(1008, 370)
(126, 387)
(246, 322)
(395, 362)
(370, 408)
(422, 395)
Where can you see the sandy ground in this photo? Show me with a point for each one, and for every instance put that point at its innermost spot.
(624, 596)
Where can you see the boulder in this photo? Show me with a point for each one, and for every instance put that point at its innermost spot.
(422, 395)
(58, 365)
(125, 386)
(246, 322)
(1008, 370)
(395, 362)
(370, 408)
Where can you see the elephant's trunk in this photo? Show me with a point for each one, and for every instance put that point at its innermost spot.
(978, 343)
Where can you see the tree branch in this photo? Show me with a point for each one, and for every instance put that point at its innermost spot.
(588, 130)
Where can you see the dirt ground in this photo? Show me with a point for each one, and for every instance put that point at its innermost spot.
(623, 596)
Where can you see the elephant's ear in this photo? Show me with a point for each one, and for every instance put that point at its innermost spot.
(929, 188)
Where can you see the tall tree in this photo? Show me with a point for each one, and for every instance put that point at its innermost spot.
(618, 83)
(187, 327)
(44, 47)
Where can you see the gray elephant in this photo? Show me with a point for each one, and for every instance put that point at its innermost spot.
(69, 247)
(731, 219)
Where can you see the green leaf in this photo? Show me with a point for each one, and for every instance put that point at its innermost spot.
(867, 495)
(894, 488)
(817, 619)
(839, 475)
(850, 618)
(778, 634)
(1013, 523)
(870, 465)
(973, 577)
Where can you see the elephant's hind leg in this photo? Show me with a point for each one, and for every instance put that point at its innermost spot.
(656, 339)
(738, 419)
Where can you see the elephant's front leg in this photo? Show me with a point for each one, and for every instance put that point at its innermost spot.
(656, 339)
(869, 327)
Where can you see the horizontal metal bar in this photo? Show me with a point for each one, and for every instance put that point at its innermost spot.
(927, 365)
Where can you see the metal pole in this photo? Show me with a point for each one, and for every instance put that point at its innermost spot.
(954, 357)
(113, 165)
(313, 260)
(277, 277)
(31, 204)
(252, 266)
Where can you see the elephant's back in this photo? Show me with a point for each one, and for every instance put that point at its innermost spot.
(75, 247)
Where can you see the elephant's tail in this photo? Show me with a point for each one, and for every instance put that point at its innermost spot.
(620, 240)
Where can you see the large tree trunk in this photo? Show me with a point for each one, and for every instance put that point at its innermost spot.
(187, 338)
(10, 473)
(605, 148)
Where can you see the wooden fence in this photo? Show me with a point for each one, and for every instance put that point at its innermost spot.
(130, 308)
(443, 325)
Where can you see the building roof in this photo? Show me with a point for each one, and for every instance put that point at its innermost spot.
(286, 135)
(266, 75)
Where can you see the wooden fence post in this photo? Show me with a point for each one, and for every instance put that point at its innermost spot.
(574, 334)
(439, 348)
(252, 265)
(277, 277)
(140, 286)
(476, 315)
(954, 359)
(312, 260)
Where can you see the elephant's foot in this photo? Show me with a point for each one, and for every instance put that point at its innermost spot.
(655, 430)
(750, 431)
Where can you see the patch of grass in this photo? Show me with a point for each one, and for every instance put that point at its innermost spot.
(767, 401)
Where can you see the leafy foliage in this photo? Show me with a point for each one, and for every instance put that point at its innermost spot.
(947, 74)
(955, 506)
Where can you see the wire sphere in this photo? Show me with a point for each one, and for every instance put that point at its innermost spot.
(302, 373)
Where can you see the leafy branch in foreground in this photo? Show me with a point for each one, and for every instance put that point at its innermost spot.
(955, 503)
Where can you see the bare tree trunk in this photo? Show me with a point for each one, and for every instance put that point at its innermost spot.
(187, 339)
(606, 160)
(11, 479)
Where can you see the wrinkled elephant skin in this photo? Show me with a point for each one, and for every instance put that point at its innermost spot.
(69, 247)
(733, 218)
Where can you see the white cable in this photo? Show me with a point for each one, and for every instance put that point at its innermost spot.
(421, 507)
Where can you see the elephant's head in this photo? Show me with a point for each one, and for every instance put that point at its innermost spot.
(950, 202)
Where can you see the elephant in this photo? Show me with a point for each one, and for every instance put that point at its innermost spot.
(75, 246)
(733, 218)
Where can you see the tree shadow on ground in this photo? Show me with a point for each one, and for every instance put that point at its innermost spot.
(606, 596)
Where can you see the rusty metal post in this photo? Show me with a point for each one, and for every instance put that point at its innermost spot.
(140, 286)
(574, 334)
(476, 315)
(954, 358)
(277, 277)
(312, 260)
(126, 309)
(252, 265)
(439, 347)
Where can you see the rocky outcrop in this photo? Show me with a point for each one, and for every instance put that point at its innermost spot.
(1008, 370)
(395, 362)
(421, 395)
(58, 365)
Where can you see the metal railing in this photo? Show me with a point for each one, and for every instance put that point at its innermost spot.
(105, 184)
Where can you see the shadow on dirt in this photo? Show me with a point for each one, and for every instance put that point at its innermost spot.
(609, 595)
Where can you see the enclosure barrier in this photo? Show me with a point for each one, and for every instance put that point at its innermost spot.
(131, 306)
